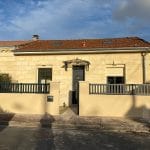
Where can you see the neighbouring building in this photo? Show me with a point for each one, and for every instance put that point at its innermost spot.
(114, 73)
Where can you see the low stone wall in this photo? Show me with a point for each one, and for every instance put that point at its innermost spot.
(112, 105)
(31, 103)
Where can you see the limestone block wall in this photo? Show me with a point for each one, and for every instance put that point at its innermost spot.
(112, 105)
(7, 61)
(25, 68)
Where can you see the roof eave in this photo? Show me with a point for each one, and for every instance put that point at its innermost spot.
(83, 51)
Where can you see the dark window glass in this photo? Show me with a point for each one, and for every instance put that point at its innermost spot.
(44, 75)
(115, 80)
(114, 89)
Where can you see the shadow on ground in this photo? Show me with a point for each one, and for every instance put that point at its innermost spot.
(44, 135)
(5, 118)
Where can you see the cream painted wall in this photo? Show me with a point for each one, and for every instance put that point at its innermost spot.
(25, 103)
(112, 105)
(24, 68)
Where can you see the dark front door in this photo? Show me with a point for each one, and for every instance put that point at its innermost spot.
(78, 75)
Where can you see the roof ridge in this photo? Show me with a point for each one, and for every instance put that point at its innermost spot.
(132, 37)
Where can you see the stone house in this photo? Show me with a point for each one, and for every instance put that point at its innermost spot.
(93, 74)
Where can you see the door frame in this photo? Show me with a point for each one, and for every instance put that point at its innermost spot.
(75, 94)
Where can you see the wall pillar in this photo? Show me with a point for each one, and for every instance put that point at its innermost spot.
(83, 94)
(53, 106)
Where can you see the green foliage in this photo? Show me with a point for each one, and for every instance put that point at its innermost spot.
(5, 78)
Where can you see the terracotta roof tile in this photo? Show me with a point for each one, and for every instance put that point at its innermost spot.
(12, 43)
(50, 45)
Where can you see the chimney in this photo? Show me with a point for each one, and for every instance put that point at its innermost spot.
(35, 37)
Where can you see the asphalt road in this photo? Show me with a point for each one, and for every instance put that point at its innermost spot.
(21, 138)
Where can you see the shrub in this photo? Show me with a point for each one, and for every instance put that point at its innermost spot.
(5, 78)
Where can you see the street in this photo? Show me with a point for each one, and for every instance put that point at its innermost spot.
(60, 138)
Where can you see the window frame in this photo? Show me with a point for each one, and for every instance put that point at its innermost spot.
(42, 77)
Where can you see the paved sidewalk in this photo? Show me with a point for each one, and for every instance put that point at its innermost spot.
(36, 138)
(74, 121)
(71, 132)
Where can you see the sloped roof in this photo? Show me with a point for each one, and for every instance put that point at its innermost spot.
(11, 43)
(52, 45)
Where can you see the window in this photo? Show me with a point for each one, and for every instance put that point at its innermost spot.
(107, 42)
(44, 75)
(115, 80)
(115, 84)
(57, 43)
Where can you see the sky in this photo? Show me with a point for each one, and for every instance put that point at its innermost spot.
(74, 19)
